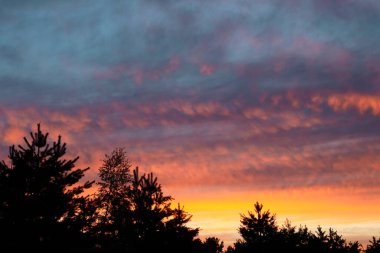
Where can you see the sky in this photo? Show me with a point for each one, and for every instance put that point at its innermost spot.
(228, 102)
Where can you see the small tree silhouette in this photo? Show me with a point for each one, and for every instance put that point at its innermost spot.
(258, 228)
(261, 234)
(40, 194)
(331, 241)
(293, 239)
(211, 245)
(373, 246)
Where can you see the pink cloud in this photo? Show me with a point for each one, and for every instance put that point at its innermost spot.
(206, 69)
(13, 135)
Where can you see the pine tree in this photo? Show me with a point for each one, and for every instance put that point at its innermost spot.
(157, 226)
(149, 207)
(40, 194)
(258, 226)
(259, 232)
(373, 246)
(211, 245)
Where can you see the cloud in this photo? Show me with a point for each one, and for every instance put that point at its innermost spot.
(285, 140)
(362, 103)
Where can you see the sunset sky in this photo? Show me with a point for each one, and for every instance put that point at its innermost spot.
(228, 102)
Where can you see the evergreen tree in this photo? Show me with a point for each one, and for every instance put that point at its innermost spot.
(257, 225)
(331, 241)
(261, 234)
(40, 195)
(156, 226)
(177, 234)
(373, 246)
(293, 239)
(150, 206)
(211, 245)
(258, 230)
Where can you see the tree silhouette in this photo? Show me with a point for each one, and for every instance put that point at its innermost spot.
(178, 236)
(40, 195)
(331, 242)
(373, 246)
(293, 239)
(43, 208)
(112, 199)
(210, 245)
(134, 214)
(257, 225)
(258, 230)
(156, 225)
(150, 206)
(261, 234)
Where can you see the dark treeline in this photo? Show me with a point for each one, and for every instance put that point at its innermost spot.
(44, 207)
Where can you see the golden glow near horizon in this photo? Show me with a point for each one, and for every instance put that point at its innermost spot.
(348, 212)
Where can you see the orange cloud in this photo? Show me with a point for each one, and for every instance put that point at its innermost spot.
(339, 102)
(13, 135)
(362, 103)
(255, 113)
